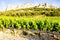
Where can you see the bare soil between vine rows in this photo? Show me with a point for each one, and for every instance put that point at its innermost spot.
(28, 35)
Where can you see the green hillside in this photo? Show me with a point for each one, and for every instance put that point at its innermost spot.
(32, 12)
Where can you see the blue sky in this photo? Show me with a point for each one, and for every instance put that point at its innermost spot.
(4, 3)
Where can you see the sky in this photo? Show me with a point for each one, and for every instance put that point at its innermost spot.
(4, 3)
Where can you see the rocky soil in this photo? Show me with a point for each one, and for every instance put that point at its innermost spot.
(28, 35)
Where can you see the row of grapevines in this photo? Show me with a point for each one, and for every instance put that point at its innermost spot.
(36, 24)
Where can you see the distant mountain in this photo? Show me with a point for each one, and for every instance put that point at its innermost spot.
(25, 5)
(46, 5)
(28, 5)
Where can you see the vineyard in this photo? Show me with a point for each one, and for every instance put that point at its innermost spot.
(46, 19)
(42, 23)
(29, 19)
